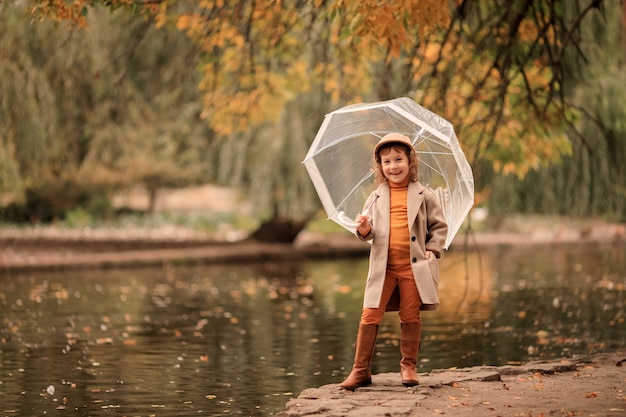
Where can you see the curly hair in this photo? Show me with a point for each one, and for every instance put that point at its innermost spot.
(400, 147)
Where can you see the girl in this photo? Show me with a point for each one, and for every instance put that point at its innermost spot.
(407, 229)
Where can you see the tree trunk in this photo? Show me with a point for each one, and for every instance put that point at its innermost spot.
(278, 230)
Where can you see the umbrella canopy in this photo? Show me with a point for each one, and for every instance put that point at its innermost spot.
(339, 159)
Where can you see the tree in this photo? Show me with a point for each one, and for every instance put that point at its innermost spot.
(267, 67)
(94, 110)
(271, 69)
(496, 72)
(592, 180)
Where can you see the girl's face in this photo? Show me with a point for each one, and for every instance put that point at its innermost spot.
(395, 165)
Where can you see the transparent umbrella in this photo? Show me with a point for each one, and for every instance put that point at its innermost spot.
(339, 159)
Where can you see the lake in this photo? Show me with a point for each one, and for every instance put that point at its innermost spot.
(241, 340)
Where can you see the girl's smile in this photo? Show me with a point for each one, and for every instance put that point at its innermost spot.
(395, 165)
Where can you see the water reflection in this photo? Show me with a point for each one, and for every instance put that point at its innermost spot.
(243, 339)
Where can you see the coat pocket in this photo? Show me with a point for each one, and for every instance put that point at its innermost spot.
(433, 265)
(429, 283)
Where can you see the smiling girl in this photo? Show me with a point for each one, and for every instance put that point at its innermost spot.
(407, 230)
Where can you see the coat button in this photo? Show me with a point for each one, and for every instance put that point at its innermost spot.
(414, 260)
(413, 238)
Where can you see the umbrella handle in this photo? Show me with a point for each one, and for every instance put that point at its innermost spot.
(345, 220)
(348, 222)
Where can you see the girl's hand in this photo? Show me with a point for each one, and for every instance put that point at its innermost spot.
(363, 226)
(429, 254)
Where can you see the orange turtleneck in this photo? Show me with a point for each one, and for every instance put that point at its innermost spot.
(399, 237)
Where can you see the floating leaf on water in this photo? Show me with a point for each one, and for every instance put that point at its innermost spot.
(50, 390)
(344, 289)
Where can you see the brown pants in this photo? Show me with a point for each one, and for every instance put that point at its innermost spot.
(410, 301)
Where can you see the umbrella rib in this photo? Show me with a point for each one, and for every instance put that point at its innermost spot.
(352, 190)
(390, 119)
(431, 166)
(378, 133)
(433, 153)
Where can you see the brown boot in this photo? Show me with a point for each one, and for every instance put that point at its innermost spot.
(410, 334)
(361, 375)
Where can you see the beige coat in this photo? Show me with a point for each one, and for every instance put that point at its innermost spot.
(428, 231)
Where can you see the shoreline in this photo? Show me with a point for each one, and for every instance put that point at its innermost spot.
(594, 386)
(58, 249)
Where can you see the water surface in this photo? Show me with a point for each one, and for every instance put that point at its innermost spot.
(243, 339)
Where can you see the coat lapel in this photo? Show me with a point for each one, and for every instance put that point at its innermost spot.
(383, 204)
(415, 199)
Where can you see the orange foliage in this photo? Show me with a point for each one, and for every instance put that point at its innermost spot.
(75, 12)
(392, 24)
(505, 117)
(257, 59)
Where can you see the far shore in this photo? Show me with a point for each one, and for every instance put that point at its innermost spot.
(50, 248)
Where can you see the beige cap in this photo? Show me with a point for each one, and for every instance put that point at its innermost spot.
(393, 137)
